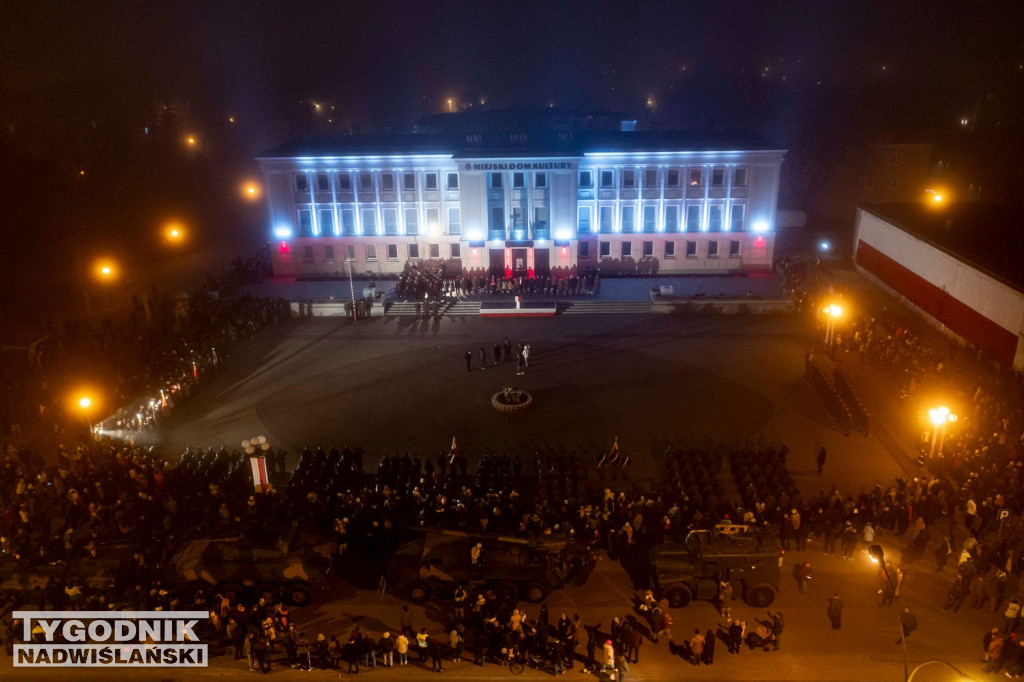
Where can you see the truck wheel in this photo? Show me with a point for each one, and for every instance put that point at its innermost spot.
(534, 592)
(760, 595)
(298, 594)
(231, 591)
(419, 591)
(268, 591)
(678, 596)
(506, 591)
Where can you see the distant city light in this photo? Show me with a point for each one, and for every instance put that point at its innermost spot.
(191, 141)
(824, 245)
(964, 122)
(231, 119)
(81, 172)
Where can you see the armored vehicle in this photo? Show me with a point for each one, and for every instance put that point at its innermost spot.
(436, 561)
(749, 561)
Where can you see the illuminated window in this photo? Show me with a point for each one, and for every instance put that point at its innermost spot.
(712, 249)
(307, 254)
(627, 249)
(715, 218)
(371, 252)
(344, 182)
(390, 221)
(647, 250)
(305, 222)
(627, 219)
(387, 182)
(606, 219)
(453, 181)
(671, 218)
(497, 218)
(495, 180)
(650, 218)
(583, 222)
(738, 218)
(605, 249)
(348, 221)
(693, 218)
(323, 183)
(328, 254)
(433, 220)
(586, 179)
(518, 180)
(673, 177)
(739, 177)
(670, 249)
(541, 180)
(607, 179)
(392, 251)
(585, 250)
(454, 221)
(412, 221)
(540, 216)
(365, 182)
(414, 251)
(718, 177)
(301, 183)
(734, 248)
(409, 182)
(696, 177)
(651, 178)
(431, 183)
(456, 251)
(435, 250)
(350, 252)
(369, 221)
(628, 178)
(691, 249)
(325, 220)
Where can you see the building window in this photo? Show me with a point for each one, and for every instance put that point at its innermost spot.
(734, 248)
(369, 221)
(647, 250)
(671, 218)
(518, 180)
(453, 181)
(540, 180)
(715, 218)
(307, 254)
(387, 182)
(323, 182)
(651, 178)
(454, 221)
(348, 221)
(691, 249)
(606, 219)
(712, 249)
(605, 249)
(607, 179)
(325, 221)
(696, 177)
(409, 182)
(739, 177)
(673, 177)
(391, 221)
(627, 249)
(583, 222)
(650, 218)
(301, 183)
(627, 219)
(670, 249)
(344, 182)
(495, 180)
(586, 179)
(435, 250)
(693, 218)
(433, 220)
(414, 251)
(540, 217)
(718, 177)
(305, 222)
(392, 251)
(431, 183)
(350, 252)
(365, 182)
(456, 251)
(412, 221)
(738, 218)
(585, 250)
(328, 254)
(371, 252)
(628, 178)
(497, 218)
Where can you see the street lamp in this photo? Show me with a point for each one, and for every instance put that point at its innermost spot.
(174, 233)
(877, 555)
(832, 313)
(85, 402)
(940, 416)
(250, 190)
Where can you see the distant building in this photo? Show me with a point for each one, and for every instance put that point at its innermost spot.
(896, 173)
(959, 265)
(546, 197)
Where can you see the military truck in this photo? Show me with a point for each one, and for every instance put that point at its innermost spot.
(749, 561)
(247, 568)
(435, 561)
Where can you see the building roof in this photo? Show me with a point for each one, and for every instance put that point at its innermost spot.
(987, 237)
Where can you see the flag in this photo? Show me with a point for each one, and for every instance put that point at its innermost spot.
(454, 452)
(195, 371)
(163, 399)
(260, 480)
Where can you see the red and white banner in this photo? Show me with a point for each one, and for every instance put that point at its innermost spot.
(260, 479)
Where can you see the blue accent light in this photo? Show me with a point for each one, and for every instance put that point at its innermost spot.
(283, 232)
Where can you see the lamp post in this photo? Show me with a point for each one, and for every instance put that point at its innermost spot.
(940, 416)
(85, 403)
(832, 313)
(877, 555)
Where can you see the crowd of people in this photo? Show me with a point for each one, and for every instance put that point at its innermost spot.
(417, 284)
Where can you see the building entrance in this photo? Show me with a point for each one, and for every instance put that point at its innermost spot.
(497, 262)
(541, 262)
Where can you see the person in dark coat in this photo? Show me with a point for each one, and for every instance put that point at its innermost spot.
(350, 652)
(709, 648)
(835, 611)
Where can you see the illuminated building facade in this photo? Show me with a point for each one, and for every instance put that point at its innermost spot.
(539, 201)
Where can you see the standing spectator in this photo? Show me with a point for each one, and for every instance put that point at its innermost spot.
(835, 611)
(608, 658)
(262, 651)
(455, 641)
(822, 453)
(697, 647)
(350, 652)
(422, 644)
(778, 625)
(709, 648)
(622, 668)
(249, 649)
(908, 621)
(802, 574)
(1011, 616)
(334, 651)
(666, 627)
(483, 357)
(386, 649)
(469, 361)
(405, 619)
(402, 647)
(434, 647)
(942, 553)
(557, 656)
(724, 597)
(305, 652)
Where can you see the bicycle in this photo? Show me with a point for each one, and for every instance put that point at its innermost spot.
(517, 665)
